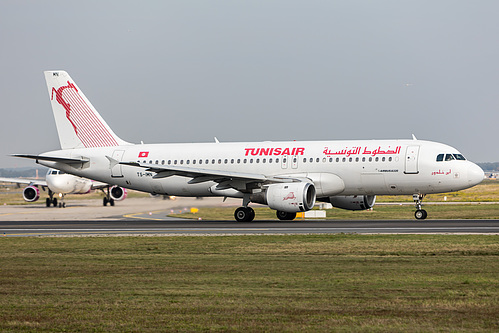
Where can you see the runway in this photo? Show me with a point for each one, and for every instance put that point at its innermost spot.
(186, 227)
(148, 217)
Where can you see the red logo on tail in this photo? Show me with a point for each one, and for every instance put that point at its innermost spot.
(65, 105)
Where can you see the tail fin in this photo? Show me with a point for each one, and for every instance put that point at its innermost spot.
(79, 125)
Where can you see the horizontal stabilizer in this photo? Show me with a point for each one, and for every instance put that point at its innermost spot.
(64, 160)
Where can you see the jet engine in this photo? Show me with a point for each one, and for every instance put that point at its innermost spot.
(118, 193)
(353, 202)
(287, 197)
(31, 193)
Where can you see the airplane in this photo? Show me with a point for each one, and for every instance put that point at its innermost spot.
(288, 176)
(61, 183)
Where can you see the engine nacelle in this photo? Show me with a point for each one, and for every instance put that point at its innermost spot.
(118, 193)
(31, 194)
(287, 197)
(353, 202)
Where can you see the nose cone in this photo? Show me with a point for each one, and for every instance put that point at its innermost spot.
(475, 174)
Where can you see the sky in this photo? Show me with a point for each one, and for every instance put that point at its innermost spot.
(189, 71)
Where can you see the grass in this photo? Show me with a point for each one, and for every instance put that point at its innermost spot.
(379, 212)
(316, 283)
(13, 195)
(488, 190)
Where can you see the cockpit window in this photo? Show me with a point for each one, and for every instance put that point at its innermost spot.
(450, 157)
(54, 172)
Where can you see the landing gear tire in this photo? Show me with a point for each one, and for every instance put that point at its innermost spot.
(285, 216)
(54, 202)
(48, 202)
(105, 201)
(420, 214)
(244, 214)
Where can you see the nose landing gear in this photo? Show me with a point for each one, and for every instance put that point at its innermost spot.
(420, 214)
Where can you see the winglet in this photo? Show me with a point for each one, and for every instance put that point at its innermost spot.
(414, 137)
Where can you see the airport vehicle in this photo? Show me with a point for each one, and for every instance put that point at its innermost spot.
(286, 176)
(60, 183)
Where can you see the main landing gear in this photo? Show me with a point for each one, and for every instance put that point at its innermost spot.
(284, 216)
(244, 214)
(107, 199)
(420, 214)
(53, 201)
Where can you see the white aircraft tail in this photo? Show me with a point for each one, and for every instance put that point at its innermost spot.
(79, 125)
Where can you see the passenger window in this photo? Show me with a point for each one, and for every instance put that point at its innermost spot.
(449, 157)
(330, 160)
(187, 162)
(440, 157)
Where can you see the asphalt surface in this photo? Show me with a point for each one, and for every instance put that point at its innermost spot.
(186, 227)
(148, 217)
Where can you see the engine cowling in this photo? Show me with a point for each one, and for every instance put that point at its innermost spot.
(31, 194)
(118, 193)
(353, 202)
(288, 197)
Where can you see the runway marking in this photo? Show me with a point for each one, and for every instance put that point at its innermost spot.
(133, 216)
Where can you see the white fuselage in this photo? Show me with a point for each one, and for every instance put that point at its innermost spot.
(371, 167)
(67, 184)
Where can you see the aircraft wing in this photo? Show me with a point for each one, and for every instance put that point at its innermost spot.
(200, 175)
(98, 185)
(33, 182)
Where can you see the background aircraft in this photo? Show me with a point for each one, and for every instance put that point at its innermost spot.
(286, 176)
(60, 183)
